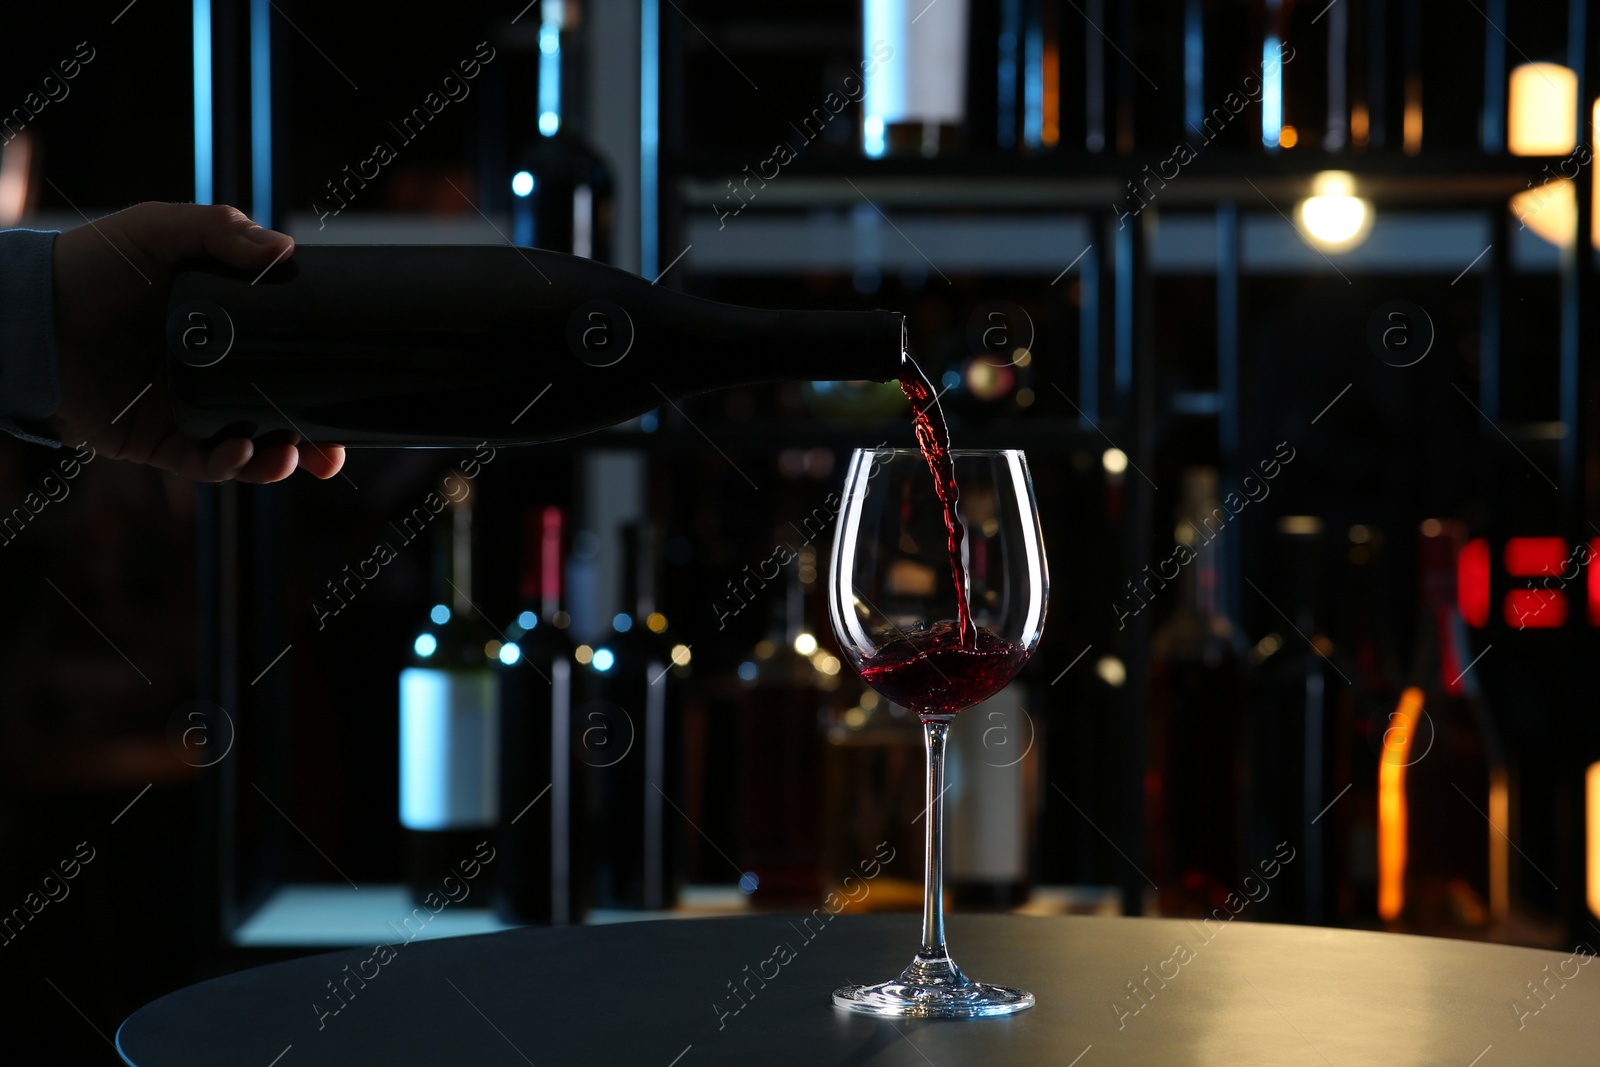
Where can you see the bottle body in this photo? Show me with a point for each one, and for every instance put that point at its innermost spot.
(449, 728)
(1299, 740)
(1198, 686)
(457, 345)
(781, 701)
(1443, 867)
(538, 880)
(628, 740)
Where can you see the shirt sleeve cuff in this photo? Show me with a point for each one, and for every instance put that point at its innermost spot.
(30, 384)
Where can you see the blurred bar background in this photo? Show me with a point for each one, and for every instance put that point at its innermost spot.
(1291, 305)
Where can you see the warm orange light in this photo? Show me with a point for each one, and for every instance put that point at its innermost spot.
(1472, 583)
(1550, 210)
(15, 167)
(1593, 807)
(1412, 130)
(1288, 137)
(1360, 121)
(1499, 842)
(1542, 110)
(1392, 804)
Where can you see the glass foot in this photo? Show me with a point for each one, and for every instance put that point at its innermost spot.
(933, 989)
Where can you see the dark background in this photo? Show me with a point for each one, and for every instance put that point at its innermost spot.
(102, 654)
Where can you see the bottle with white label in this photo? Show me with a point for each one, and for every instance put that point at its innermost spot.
(914, 101)
(993, 774)
(450, 730)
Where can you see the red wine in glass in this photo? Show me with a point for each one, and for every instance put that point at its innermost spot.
(936, 673)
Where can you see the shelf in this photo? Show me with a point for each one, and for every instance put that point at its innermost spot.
(931, 246)
(1085, 181)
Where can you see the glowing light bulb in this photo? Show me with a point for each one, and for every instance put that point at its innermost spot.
(1334, 219)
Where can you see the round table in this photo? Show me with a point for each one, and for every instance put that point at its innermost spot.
(685, 993)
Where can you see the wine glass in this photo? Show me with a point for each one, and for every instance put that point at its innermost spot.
(902, 581)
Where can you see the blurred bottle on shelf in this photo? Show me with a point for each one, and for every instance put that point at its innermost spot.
(1028, 40)
(1443, 803)
(562, 190)
(1369, 647)
(915, 72)
(784, 686)
(1198, 686)
(450, 727)
(627, 738)
(993, 777)
(872, 797)
(1299, 743)
(538, 871)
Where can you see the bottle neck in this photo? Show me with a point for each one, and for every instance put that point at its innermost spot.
(1202, 589)
(638, 572)
(1202, 524)
(459, 565)
(551, 522)
(1452, 661)
(1302, 556)
(543, 533)
(1443, 657)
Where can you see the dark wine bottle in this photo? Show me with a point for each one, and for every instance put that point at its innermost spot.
(562, 188)
(538, 876)
(459, 345)
(1365, 635)
(781, 703)
(1197, 688)
(1299, 752)
(450, 728)
(1443, 797)
(628, 741)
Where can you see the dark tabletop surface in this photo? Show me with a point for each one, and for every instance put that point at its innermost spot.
(658, 994)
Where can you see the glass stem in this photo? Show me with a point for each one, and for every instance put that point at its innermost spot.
(934, 733)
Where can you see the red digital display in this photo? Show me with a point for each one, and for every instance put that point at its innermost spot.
(1543, 575)
(1594, 585)
(1535, 608)
(1535, 556)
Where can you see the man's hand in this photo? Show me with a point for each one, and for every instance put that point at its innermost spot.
(111, 282)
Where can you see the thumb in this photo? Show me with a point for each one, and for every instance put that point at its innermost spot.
(171, 233)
